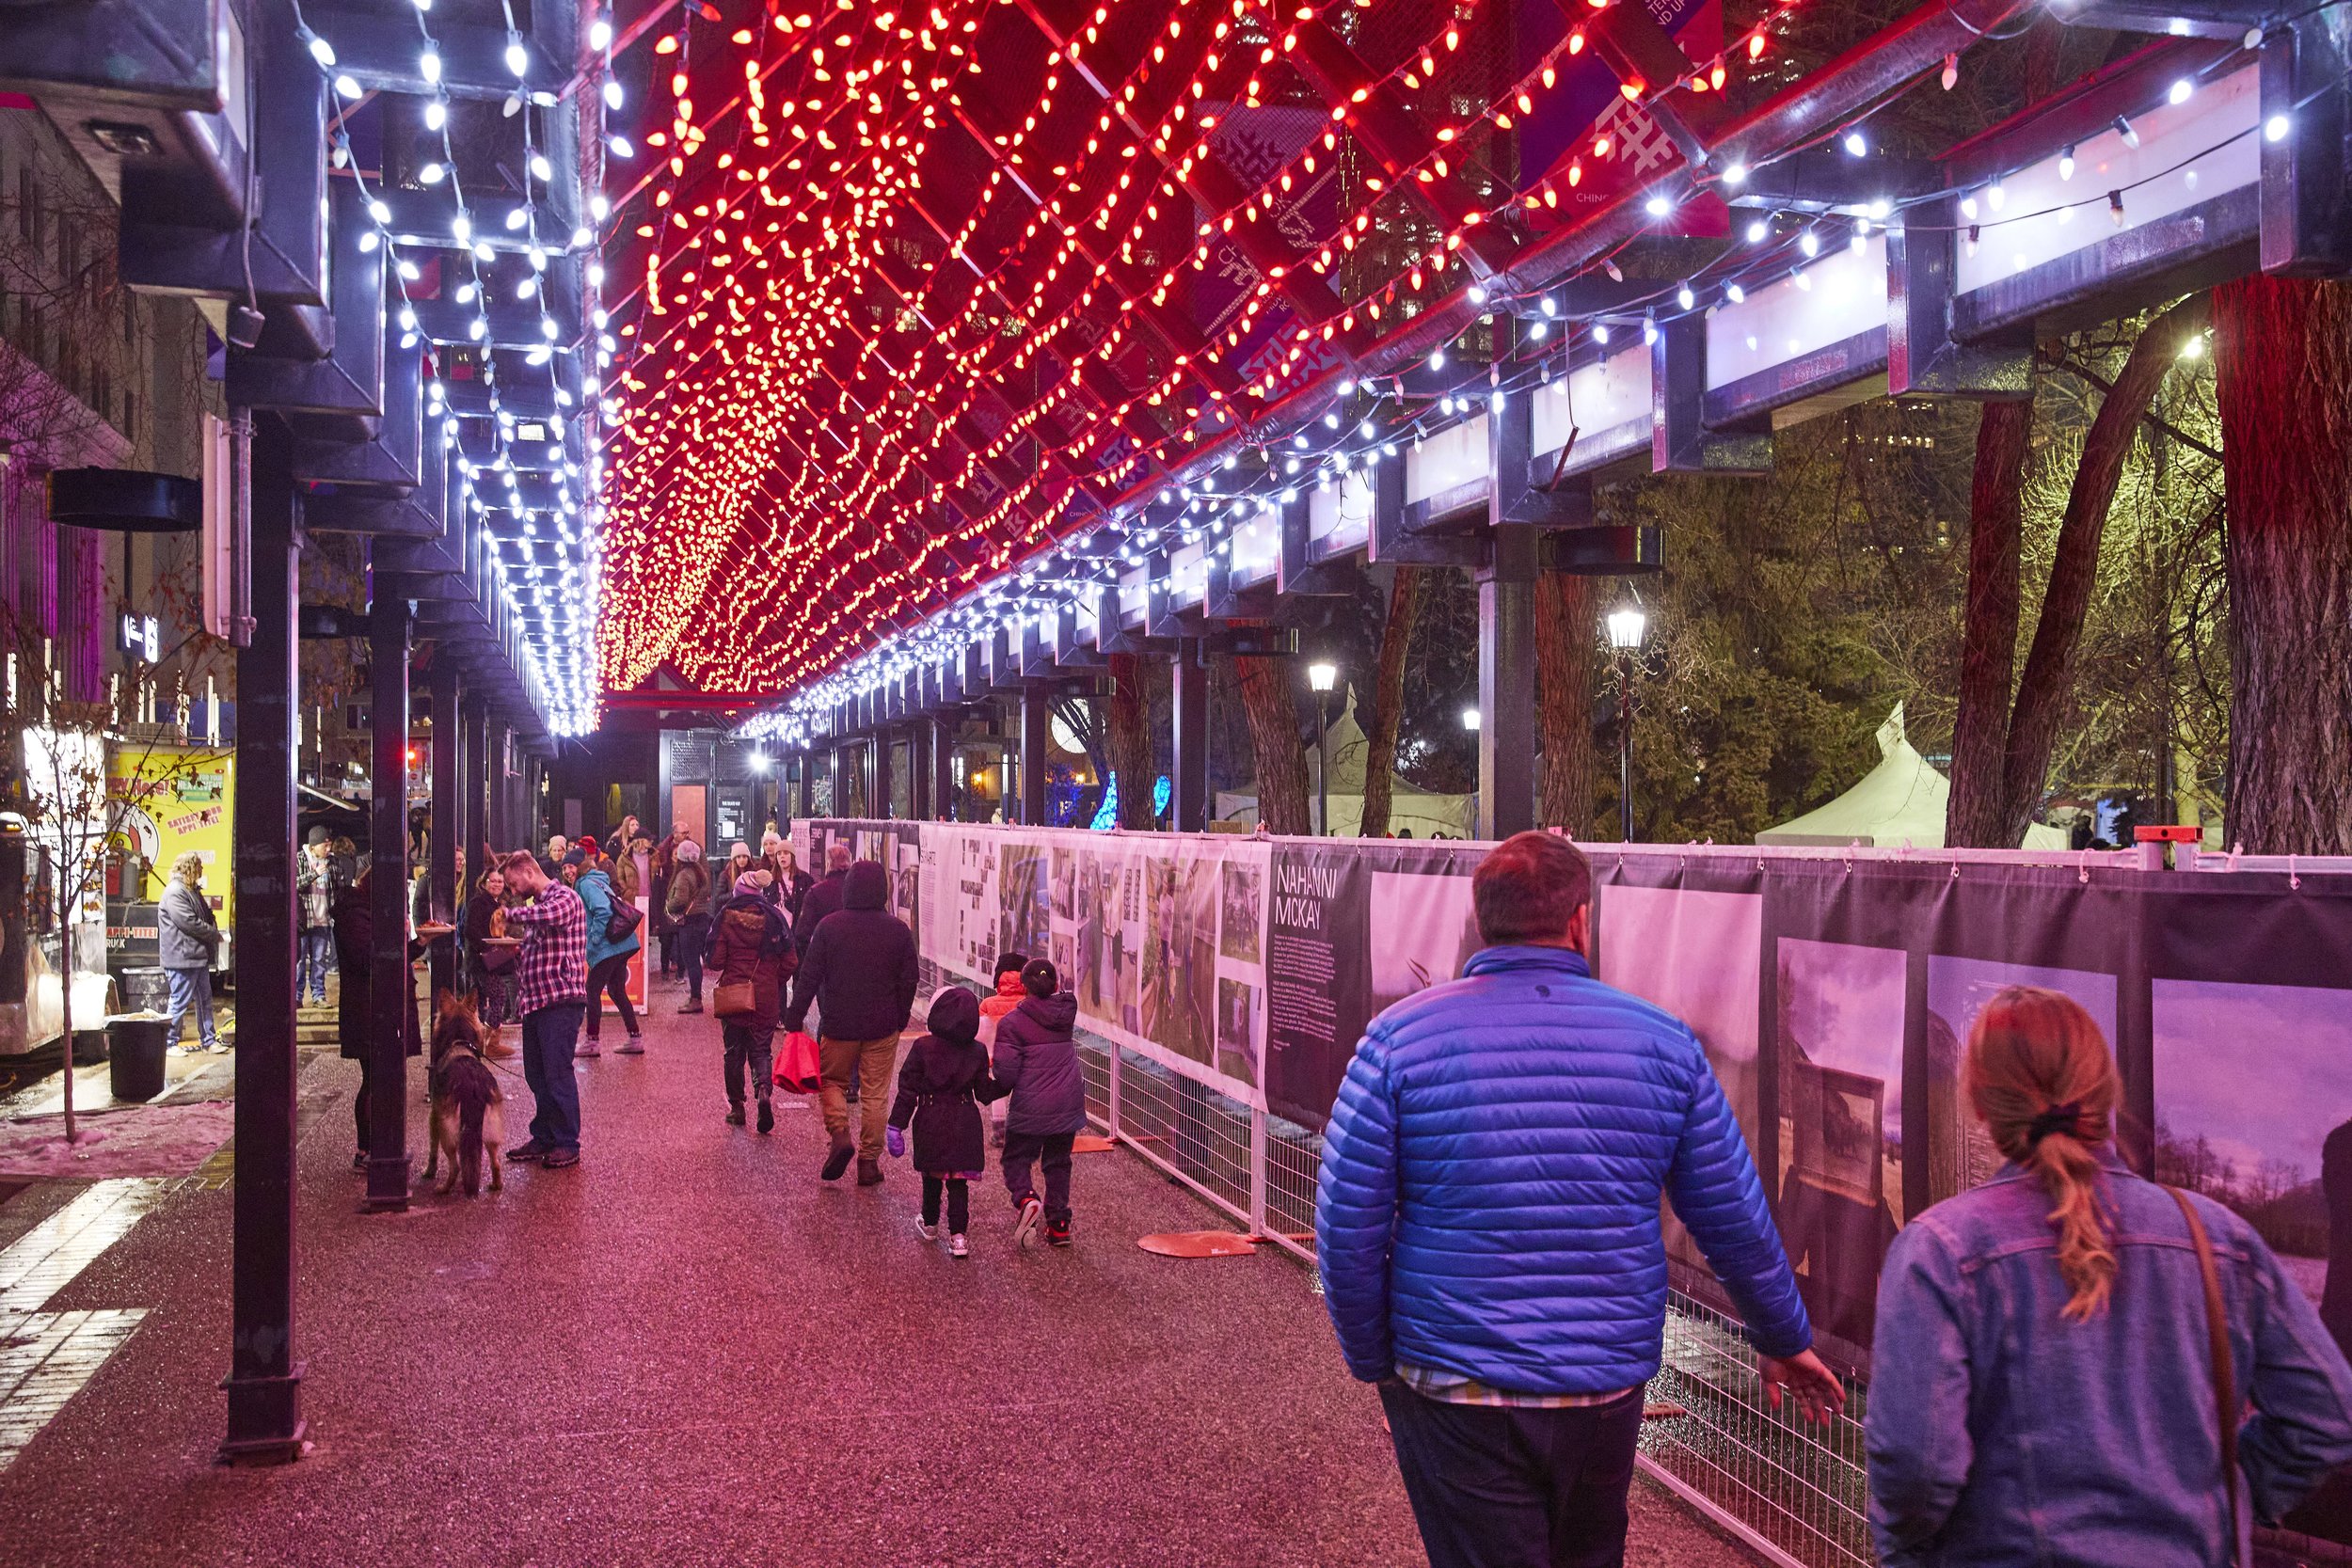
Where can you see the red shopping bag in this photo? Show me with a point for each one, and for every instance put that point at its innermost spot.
(797, 1066)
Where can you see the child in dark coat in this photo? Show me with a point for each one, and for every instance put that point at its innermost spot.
(1036, 1064)
(941, 1086)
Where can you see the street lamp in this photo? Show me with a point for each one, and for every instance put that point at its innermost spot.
(1470, 719)
(1625, 626)
(1321, 676)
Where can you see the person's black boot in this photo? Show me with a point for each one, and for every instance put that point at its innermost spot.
(837, 1158)
(767, 1116)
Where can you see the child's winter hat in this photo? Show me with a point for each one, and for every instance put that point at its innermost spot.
(955, 1014)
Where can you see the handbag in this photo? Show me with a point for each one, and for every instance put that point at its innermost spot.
(735, 999)
(797, 1065)
(622, 921)
(2225, 1400)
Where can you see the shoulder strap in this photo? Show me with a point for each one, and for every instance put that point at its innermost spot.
(2217, 1344)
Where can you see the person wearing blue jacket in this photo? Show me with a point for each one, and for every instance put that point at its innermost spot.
(1486, 1223)
(2043, 1386)
(608, 957)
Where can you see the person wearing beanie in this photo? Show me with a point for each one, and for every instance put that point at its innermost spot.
(941, 1088)
(1037, 1063)
(752, 945)
(689, 904)
(1009, 995)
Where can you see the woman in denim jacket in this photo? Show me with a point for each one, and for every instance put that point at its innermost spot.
(2042, 1388)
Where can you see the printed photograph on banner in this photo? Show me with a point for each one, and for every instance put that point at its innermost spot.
(2254, 1110)
(1065, 883)
(1023, 898)
(1698, 954)
(1244, 912)
(1423, 931)
(906, 884)
(976, 918)
(1237, 1030)
(1840, 1017)
(1179, 955)
(1960, 1154)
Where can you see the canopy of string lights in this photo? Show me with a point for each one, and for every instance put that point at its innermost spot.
(922, 302)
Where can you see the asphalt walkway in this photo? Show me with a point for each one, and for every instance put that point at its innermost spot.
(688, 1350)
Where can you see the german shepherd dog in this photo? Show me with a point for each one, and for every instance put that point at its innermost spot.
(468, 1106)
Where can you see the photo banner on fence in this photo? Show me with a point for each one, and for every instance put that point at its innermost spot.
(1832, 995)
(1162, 940)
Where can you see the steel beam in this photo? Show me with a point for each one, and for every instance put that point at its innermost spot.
(1036, 741)
(445, 832)
(390, 986)
(1507, 686)
(264, 1382)
(1188, 801)
(1923, 358)
(1680, 442)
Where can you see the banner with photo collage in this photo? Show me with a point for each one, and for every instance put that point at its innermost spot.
(1162, 940)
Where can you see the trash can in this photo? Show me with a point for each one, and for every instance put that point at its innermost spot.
(136, 1054)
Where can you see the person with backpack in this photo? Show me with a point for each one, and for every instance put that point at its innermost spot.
(1036, 1058)
(612, 918)
(2074, 1365)
(752, 951)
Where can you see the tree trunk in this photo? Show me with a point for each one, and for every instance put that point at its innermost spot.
(1973, 818)
(1131, 741)
(1273, 711)
(2286, 384)
(1388, 700)
(1566, 607)
(2049, 674)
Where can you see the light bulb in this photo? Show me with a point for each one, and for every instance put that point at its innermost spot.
(517, 57)
(1684, 297)
(2066, 162)
(1855, 144)
(1759, 231)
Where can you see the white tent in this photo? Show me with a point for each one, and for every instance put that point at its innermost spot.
(1899, 803)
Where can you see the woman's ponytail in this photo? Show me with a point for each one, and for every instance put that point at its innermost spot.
(2040, 1075)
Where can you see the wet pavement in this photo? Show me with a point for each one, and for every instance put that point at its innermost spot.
(687, 1349)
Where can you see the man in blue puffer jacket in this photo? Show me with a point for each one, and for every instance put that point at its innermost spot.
(1486, 1223)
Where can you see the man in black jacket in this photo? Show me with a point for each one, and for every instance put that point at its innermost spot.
(822, 899)
(859, 970)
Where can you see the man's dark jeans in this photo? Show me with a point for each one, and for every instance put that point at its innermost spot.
(1503, 1486)
(549, 1037)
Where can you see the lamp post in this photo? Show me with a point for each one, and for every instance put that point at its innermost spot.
(1625, 626)
(1321, 675)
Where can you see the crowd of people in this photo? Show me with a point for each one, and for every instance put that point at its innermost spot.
(2071, 1364)
(547, 940)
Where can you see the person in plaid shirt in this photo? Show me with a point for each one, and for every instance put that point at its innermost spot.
(551, 993)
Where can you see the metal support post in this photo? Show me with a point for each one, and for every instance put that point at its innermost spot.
(1258, 1151)
(265, 1383)
(944, 733)
(480, 842)
(1190, 799)
(445, 829)
(1111, 1095)
(389, 983)
(1037, 707)
(1625, 746)
(919, 771)
(1507, 686)
(878, 799)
